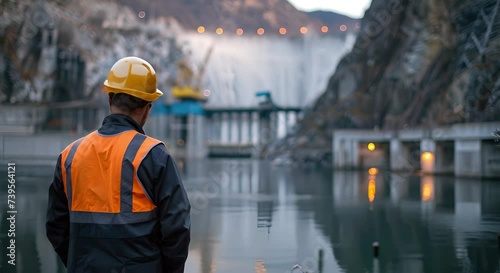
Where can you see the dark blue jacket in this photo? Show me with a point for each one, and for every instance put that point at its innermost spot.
(158, 245)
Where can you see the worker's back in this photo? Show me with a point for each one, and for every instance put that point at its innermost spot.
(112, 217)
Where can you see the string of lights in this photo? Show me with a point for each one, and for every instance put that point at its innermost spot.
(282, 31)
(261, 31)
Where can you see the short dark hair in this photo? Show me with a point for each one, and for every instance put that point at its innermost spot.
(126, 102)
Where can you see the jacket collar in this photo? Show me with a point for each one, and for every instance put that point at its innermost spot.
(117, 123)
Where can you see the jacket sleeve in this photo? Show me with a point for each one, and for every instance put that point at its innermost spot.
(173, 207)
(57, 225)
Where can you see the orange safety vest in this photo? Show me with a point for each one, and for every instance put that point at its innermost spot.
(99, 174)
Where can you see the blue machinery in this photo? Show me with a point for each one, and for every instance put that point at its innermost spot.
(199, 131)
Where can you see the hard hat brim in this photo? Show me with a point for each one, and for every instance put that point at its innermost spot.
(141, 95)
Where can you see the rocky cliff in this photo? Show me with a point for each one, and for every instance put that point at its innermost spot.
(415, 63)
(60, 50)
(54, 51)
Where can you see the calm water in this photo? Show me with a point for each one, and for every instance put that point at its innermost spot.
(250, 216)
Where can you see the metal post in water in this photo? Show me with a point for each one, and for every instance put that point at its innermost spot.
(376, 266)
(320, 261)
(375, 249)
(498, 238)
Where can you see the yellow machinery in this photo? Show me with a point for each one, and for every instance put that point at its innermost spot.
(188, 85)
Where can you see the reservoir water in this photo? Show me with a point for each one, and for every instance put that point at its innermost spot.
(252, 216)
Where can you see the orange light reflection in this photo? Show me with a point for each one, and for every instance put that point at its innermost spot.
(427, 188)
(372, 190)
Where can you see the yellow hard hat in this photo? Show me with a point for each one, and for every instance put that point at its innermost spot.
(133, 76)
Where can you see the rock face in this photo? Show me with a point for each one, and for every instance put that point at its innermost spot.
(55, 51)
(334, 20)
(61, 50)
(415, 63)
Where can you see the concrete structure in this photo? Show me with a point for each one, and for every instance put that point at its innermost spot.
(461, 149)
(188, 130)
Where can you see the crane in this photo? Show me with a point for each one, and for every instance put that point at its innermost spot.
(188, 84)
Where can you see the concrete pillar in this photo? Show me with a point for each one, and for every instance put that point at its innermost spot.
(210, 128)
(250, 127)
(218, 128)
(346, 152)
(196, 142)
(230, 128)
(224, 128)
(254, 125)
(282, 124)
(397, 153)
(338, 155)
(265, 128)
(287, 122)
(490, 159)
(239, 120)
(245, 128)
(427, 155)
(468, 158)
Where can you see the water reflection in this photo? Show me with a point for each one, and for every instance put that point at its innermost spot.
(250, 216)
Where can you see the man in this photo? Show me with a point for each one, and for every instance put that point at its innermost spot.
(117, 203)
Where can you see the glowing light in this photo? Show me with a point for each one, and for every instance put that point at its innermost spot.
(260, 31)
(427, 162)
(343, 28)
(372, 190)
(180, 142)
(371, 147)
(239, 32)
(219, 31)
(282, 31)
(141, 14)
(201, 29)
(427, 156)
(207, 93)
(373, 171)
(324, 29)
(303, 30)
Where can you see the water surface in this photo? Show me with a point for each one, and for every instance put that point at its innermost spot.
(251, 216)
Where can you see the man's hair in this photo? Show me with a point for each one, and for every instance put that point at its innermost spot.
(126, 102)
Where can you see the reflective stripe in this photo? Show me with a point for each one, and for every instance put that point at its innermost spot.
(67, 166)
(111, 218)
(141, 200)
(128, 173)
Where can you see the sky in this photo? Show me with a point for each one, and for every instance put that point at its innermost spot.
(352, 8)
